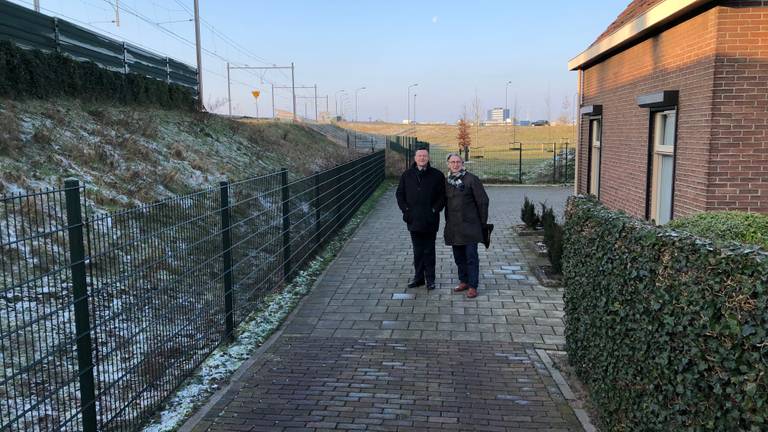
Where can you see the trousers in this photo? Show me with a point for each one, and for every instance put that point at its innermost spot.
(466, 260)
(423, 255)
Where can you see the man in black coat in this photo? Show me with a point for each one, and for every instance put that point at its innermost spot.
(421, 197)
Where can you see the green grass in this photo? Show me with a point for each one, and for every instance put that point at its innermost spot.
(490, 142)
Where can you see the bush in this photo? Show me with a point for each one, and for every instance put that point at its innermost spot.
(35, 74)
(547, 222)
(553, 237)
(555, 247)
(666, 329)
(743, 227)
(528, 214)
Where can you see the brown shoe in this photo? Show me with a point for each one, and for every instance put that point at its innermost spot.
(472, 293)
(461, 287)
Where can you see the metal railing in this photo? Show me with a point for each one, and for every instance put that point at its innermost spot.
(103, 315)
(32, 30)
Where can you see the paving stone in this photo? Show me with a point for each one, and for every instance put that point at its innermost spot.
(364, 353)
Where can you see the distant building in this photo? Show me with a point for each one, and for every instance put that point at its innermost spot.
(283, 114)
(498, 115)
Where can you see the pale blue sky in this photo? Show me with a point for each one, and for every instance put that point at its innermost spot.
(452, 49)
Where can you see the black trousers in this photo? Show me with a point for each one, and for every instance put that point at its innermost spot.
(423, 255)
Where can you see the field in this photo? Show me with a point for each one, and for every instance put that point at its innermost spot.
(488, 142)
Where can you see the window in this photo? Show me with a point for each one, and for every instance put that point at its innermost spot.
(663, 165)
(595, 139)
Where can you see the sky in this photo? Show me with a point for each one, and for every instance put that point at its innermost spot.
(486, 53)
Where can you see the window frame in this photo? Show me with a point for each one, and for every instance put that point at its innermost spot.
(591, 148)
(655, 154)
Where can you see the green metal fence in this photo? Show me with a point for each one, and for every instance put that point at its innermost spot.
(104, 315)
(524, 163)
(31, 30)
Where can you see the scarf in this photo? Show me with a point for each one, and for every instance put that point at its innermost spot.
(455, 179)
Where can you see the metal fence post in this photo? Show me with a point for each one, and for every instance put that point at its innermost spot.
(168, 70)
(80, 297)
(57, 34)
(347, 140)
(125, 59)
(286, 223)
(318, 205)
(520, 164)
(226, 270)
(565, 173)
(554, 162)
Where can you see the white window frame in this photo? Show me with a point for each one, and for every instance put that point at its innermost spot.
(595, 154)
(662, 149)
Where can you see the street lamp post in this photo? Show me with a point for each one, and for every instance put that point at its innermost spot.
(336, 101)
(356, 91)
(506, 101)
(343, 101)
(414, 108)
(408, 99)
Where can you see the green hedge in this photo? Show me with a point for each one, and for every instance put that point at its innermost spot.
(667, 330)
(743, 227)
(36, 74)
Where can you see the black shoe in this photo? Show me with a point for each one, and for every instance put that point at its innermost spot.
(430, 285)
(415, 283)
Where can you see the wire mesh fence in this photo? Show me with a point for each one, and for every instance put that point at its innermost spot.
(103, 315)
(525, 163)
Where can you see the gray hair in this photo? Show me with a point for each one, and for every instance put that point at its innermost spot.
(450, 155)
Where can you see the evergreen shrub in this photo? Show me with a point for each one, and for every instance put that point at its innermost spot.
(667, 330)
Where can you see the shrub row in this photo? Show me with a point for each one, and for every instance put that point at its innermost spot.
(553, 232)
(553, 238)
(36, 74)
(740, 226)
(667, 330)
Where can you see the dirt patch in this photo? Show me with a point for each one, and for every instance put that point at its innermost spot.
(579, 389)
(547, 277)
(535, 253)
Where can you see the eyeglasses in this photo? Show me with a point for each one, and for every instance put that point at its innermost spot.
(454, 161)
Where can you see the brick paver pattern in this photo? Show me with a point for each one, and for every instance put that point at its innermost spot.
(363, 352)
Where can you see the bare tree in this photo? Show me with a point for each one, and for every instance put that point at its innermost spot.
(565, 114)
(464, 137)
(477, 114)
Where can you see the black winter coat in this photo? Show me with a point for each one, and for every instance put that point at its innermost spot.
(421, 198)
(466, 211)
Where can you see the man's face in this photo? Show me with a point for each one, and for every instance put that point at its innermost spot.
(421, 158)
(455, 164)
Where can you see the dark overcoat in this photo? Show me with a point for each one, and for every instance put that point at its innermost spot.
(466, 211)
(421, 198)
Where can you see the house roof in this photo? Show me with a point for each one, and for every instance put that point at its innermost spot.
(639, 19)
(634, 10)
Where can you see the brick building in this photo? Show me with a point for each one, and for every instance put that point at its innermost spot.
(674, 109)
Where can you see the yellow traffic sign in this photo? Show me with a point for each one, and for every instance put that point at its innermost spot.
(256, 93)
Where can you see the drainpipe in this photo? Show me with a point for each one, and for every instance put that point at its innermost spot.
(580, 102)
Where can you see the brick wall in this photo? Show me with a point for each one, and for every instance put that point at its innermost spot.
(681, 58)
(718, 61)
(739, 161)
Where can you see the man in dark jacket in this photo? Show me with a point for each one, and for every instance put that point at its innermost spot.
(466, 212)
(421, 197)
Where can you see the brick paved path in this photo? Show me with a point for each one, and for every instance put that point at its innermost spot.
(365, 353)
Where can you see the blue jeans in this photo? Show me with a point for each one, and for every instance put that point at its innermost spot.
(468, 263)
